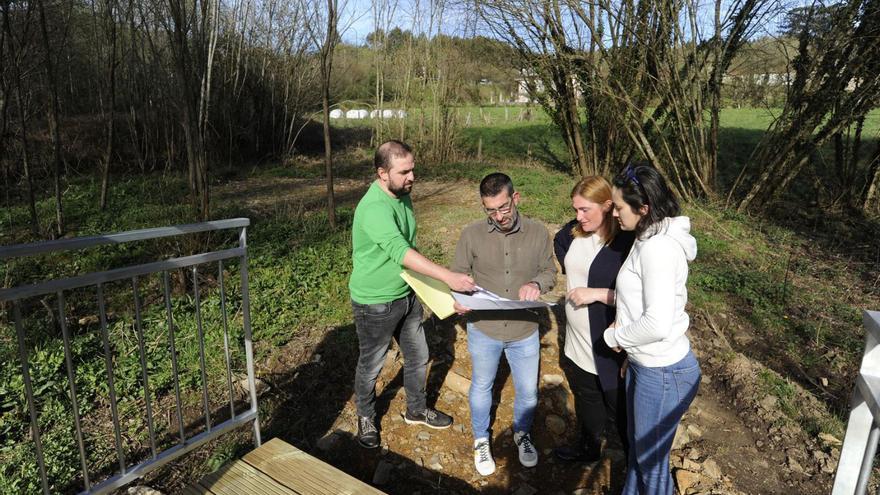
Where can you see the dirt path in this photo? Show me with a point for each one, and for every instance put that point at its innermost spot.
(722, 447)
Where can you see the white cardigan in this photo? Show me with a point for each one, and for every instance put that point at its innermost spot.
(651, 296)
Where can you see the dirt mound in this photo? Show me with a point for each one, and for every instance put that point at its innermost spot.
(772, 453)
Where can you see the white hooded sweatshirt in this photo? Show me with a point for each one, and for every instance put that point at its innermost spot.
(652, 293)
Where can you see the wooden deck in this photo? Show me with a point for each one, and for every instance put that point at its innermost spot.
(278, 468)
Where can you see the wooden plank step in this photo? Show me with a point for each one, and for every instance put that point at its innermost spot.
(240, 478)
(303, 473)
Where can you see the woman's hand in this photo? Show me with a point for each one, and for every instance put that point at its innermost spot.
(581, 296)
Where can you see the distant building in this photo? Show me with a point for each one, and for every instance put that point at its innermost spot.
(522, 90)
(760, 78)
(523, 95)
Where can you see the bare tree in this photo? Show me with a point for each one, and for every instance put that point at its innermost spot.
(108, 22)
(431, 81)
(52, 115)
(17, 54)
(325, 37)
(836, 82)
(193, 40)
(598, 67)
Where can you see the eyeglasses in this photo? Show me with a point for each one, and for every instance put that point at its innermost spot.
(504, 210)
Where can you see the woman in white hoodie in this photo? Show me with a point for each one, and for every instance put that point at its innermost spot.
(651, 325)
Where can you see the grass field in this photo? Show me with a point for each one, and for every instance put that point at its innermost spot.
(504, 135)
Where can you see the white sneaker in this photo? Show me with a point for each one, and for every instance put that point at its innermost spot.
(483, 460)
(528, 454)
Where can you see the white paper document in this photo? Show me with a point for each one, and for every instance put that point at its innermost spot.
(481, 299)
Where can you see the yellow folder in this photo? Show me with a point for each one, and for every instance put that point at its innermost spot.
(433, 293)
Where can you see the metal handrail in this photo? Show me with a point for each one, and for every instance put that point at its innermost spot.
(863, 428)
(33, 249)
(127, 473)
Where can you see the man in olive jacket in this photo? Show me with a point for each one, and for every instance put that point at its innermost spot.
(512, 256)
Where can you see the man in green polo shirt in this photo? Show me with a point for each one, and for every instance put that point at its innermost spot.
(383, 243)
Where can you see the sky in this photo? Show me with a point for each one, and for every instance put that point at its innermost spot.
(358, 19)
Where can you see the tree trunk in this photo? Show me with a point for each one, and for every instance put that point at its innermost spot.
(194, 106)
(109, 110)
(870, 194)
(22, 114)
(4, 127)
(326, 69)
(26, 164)
(52, 117)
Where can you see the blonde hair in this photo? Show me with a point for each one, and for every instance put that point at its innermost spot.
(596, 189)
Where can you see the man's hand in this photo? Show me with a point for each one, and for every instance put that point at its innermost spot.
(460, 282)
(460, 309)
(582, 296)
(529, 292)
(623, 367)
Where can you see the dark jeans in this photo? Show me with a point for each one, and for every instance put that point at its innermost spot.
(594, 406)
(376, 324)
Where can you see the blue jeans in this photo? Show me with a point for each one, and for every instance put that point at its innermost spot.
(376, 324)
(656, 399)
(523, 357)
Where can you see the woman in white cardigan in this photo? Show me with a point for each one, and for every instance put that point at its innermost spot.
(651, 325)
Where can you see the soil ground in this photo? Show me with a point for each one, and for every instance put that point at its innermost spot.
(725, 442)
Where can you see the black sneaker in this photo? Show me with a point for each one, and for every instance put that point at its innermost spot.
(368, 435)
(429, 417)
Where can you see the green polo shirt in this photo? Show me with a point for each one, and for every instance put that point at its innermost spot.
(384, 229)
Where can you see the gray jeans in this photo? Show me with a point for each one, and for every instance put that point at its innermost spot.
(376, 324)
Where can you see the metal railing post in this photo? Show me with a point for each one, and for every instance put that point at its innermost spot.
(111, 387)
(142, 354)
(248, 338)
(862, 430)
(222, 285)
(71, 381)
(201, 333)
(173, 350)
(29, 393)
